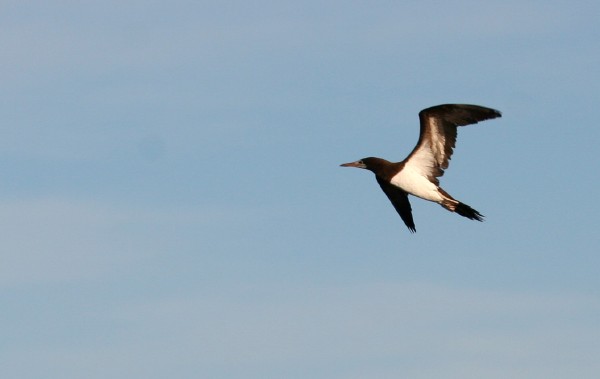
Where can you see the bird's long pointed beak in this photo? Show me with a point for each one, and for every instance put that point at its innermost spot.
(358, 164)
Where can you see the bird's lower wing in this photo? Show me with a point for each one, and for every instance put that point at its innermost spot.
(399, 200)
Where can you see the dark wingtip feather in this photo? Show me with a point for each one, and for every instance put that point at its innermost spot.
(461, 114)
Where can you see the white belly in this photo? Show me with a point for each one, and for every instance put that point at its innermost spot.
(416, 184)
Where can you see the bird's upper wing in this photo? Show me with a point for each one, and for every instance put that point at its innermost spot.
(399, 200)
(437, 137)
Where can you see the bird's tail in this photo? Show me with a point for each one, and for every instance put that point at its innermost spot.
(468, 212)
(462, 209)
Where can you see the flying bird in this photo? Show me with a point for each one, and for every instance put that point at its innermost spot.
(418, 174)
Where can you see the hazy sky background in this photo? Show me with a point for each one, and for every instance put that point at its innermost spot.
(172, 207)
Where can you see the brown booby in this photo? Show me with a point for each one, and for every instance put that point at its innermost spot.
(417, 174)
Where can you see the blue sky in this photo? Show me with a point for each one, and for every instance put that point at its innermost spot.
(172, 204)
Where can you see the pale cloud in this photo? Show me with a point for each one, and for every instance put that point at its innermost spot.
(50, 240)
(71, 239)
(58, 240)
(424, 329)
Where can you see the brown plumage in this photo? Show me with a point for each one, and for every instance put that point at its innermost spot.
(418, 174)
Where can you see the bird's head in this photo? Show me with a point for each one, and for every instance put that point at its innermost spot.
(370, 163)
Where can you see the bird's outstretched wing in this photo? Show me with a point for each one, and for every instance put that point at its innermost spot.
(399, 200)
(437, 137)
